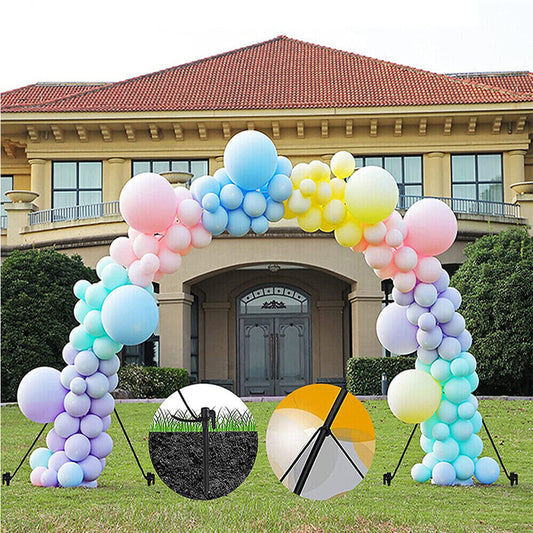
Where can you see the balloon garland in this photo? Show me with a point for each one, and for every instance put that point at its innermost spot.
(257, 187)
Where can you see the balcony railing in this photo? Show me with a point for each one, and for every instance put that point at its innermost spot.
(463, 205)
(76, 212)
(80, 212)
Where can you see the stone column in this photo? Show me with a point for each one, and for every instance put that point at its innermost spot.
(366, 307)
(330, 340)
(41, 183)
(115, 178)
(525, 201)
(175, 329)
(514, 170)
(216, 341)
(17, 218)
(435, 183)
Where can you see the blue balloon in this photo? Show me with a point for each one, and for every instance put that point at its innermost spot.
(472, 447)
(466, 410)
(211, 202)
(102, 263)
(95, 295)
(80, 338)
(80, 311)
(239, 223)
(440, 370)
(462, 430)
(447, 412)
(443, 474)
(70, 475)
(40, 457)
(464, 467)
(222, 177)
(280, 188)
(477, 422)
(254, 204)
(215, 222)
(457, 390)
(260, 225)
(274, 210)
(105, 348)
(426, 443)
(80, 287)
(446, 450)
(284, 166)
(113, 276)
(201, 186)
(473, 379)
(420, 473)
(231, 197)
(419, 365)
(130, 315)
(427, 426)
(487, 470)
(250, 159)
(440, 431)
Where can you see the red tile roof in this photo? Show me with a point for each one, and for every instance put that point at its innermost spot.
(519, 82)
(281, 73)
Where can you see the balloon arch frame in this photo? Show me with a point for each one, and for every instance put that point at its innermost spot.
(256, 187)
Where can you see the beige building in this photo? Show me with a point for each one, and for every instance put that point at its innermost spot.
(265, 314)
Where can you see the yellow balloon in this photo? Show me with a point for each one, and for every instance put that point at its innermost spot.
(299, 173)
(326, 227)
(371, 194)
(307, 187)
(288, 215)
(323, 192)
(349, 233)
(337, 188)
(311, 220)
(318, 171)
(334, 212)
(414, 396)
(342, 164)
(298, 204)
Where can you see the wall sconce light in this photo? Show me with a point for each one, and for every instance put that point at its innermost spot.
(274, 268)
(509, 128)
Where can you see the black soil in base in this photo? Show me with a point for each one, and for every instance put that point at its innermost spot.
(178, 461)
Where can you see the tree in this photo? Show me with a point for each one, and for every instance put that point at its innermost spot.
(496, 283)
(37, 311)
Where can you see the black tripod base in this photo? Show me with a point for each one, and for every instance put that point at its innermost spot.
(387, 478)
(6, 478)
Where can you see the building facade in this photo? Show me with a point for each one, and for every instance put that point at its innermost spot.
(264, 314)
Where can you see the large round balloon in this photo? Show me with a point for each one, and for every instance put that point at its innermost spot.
(130, 315)
(250, 158)
(414, 396)
(40, 395)
(395, 332)
(148, 203)
(371, 194)
(431, 227)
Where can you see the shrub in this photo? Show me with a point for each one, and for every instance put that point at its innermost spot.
(37, 311)
(363, 374)
(151, 381)
(496, 283)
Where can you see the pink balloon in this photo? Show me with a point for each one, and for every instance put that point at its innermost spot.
(378, 256)
(428, 269)
(35, 476)
(133, 233)
(138, 276)
(374, 233)
(121, 251)
(183, 253)
(149, 264)
(189, 212)
(361, 246)
(177, 238)
(148, 203)
(387, 272)
(431, 225)
(404, 281)
(182, 193)
(200, 237)
(395, 221)
(158, 275)
(394, 237)
(405, 258)
(145, 244)
(395, 332)
(169, 261)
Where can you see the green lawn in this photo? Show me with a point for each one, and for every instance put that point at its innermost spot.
(123, 502)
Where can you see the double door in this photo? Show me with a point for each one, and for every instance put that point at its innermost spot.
(274, 355)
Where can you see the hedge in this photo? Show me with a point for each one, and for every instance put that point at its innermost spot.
(151, 381)
(363, 374)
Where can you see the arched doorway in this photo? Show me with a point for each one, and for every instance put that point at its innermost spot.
(274, 344)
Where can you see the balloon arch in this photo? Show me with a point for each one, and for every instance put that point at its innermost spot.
(256, 187)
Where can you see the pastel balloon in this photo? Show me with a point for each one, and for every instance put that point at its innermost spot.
(109, 366)
(280, 188)
(113, 276)
(323, 193)
(70, 474)
(432, 227)
(453, 295)
(284, 166)
(404, 281)
(464, 467)
(473, 447)
(425, 294)
(375, 233)
(457, 390)
(66, 425)
(40, 457)
(146, 244)
(414, 312)
(77, 447)
(394, 237)
(222, 177)
(337, 188)
(189, 212)
(103, 406)
(69, 353)
(149, 264)
(378, 256)
(97, 385)
(216, 221)
(254, 204)
(239, 223)
(413, 396)
(57, 459)
(420, 473)
(130, 315)
(200, 237)
(440, 370)
(101, 446)
(455, 326)
(250, 158)
(67, 375)
(487, 470)
(231, 197)
(318, 171)
(342, 164)
(405, 259)
(91, 426)
(92, 468)
(76, 405)
(35, 476)
(199, 188)
(440, 431)
(428, 269)
(349, 233)
(402, 298)
(465, 338)
(211, 202)
(387, 272)
(40, 395)
(442, 310)
(427, 356)
(298, 204)
(54, 442)
(169, 261)
(447, 411)
(443, 474)
(260, 225)
(78, 385)
(80, 287)
(466, 410)
(86, 363)
(371, 194)
(462, 430)
(334, 212)
(49, 478)
(449, 348)
(443, 282)
(307, 187)
(80, 338)
(274, 210)
(426, 321)
(95, 295)
(148, 203)
(395, 332)
(177, 237)
(105, 348)
(429, 339)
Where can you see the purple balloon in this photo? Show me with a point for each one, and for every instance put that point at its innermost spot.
(443, 282)
(449, 348)
(92, 468)
(86, 363)
(455, 326)
(395, 332)
(69, 353)
(49, 478)
(113, 382)
(91, 426)
(78, 385)
(66, 425)
(101, 446)
(103, 406)
(106, 421)
(54, 441)
(97, 385)
(57, 460)
(429, 339)
(77, 447)
(40, 395)
(454, 296)
(77, 405)
(414, 312)
(402, 298)
(67, 375)
(109, 367)
(465, 338)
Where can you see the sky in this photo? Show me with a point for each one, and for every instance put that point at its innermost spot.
(112, 40)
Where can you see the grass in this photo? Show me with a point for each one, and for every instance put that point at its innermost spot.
(226, 420)
(124, 503)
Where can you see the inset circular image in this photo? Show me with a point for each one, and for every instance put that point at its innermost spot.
(203, 441)
(320, 441)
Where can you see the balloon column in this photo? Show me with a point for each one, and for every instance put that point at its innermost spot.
(257, 187)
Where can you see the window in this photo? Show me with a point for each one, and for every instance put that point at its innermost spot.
(477, 177)
(7, 185)
(274, 299)
(406, 169)
(76, 183)
(197, 167)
